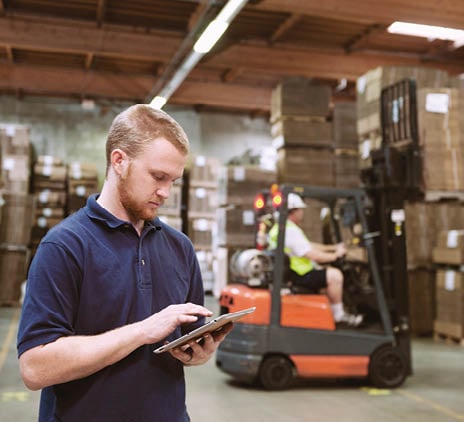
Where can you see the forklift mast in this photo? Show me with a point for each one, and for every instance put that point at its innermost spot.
(395, 177)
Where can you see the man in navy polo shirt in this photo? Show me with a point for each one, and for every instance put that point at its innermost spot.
(111, 283)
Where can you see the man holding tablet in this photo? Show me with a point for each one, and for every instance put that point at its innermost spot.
(110, 284)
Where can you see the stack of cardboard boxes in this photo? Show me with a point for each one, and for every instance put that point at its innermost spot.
(82, 181)
(201, 193)
(449, 256)
(302, 132)
(49, 190)
(439, 105)
(17, 211)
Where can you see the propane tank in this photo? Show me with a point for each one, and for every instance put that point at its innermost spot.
(251, 267)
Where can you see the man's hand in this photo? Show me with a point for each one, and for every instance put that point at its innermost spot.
(158, 326)
(199, 352)
(340, 250)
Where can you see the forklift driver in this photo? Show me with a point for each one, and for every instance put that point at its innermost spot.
(306, 259)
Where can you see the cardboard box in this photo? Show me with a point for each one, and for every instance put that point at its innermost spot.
(291, 131)
(450, 302)
(202, 202)
(236, 227)
(422, 301)
(203, 170)
(173, 205)
(239, 185)
(311, 166)
(450, 248)
(300, 96)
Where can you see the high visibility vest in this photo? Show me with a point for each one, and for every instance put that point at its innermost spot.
(300, 264)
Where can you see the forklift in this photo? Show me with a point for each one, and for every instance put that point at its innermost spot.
(292, 333)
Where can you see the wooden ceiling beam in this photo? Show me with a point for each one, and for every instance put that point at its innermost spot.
(101, 10)
(332, 64)
(433, 12)
(284, 27)
(61, 35)
(40, 80)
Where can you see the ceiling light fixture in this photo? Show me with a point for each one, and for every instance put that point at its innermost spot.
(203, 45)
(430, 32)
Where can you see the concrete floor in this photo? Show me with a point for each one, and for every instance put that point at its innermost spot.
(434, 393)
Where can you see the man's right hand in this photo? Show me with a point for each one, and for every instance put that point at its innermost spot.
(158, 326)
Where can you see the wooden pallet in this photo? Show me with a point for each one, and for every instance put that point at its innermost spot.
(448, 338)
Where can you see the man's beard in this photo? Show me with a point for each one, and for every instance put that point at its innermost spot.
(135, 209)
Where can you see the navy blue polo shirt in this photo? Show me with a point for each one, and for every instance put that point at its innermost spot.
(93, 273)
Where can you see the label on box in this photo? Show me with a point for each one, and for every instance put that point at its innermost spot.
(202, 224)
(450, 280)
(9, 163)
(200, 161)
(80, 190)
(76, 171)
(47, 171)
(248, 218)
(366, 149)
(43, 196)
(48, 160)
(47, 212)
(452, 239)
(10, 130)
(239, 174)
(437, 103)
(200, 193)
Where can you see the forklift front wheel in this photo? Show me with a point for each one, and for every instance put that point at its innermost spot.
(276, 373)
(387, 368)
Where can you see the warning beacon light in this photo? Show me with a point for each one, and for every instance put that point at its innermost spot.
(259, 202)
(276, 196)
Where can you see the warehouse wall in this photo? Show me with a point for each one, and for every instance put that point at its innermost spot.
(65, 130)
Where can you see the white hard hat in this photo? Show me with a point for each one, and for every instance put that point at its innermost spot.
(295, 201)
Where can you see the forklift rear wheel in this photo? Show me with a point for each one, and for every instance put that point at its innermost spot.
(276, 373)
(387, 368)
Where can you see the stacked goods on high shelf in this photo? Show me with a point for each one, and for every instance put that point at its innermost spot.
(316, 142)
(345, 137)
(49, 189)
(369, 87)
(17, 211)
(82, 181)
(424, 223)
(171, 211)
(201, 195)
(236, 227)
(449, 256)
(441, 137)
(302, 132)
(421, 285)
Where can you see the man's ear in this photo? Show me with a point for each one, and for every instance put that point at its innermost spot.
(119, 161)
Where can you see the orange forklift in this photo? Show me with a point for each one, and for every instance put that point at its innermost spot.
(292, 333)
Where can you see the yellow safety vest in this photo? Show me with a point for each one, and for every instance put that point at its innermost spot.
(300, 264)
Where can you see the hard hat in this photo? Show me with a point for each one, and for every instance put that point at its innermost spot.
(295, 201)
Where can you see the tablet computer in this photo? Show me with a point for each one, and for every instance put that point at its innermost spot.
(213, 325)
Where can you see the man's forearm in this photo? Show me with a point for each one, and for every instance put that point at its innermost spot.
(74, 357)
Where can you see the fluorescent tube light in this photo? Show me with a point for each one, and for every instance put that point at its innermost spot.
(205, 42)
(229, 11)
(430, 32)
(158, 102)
(210, 36)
